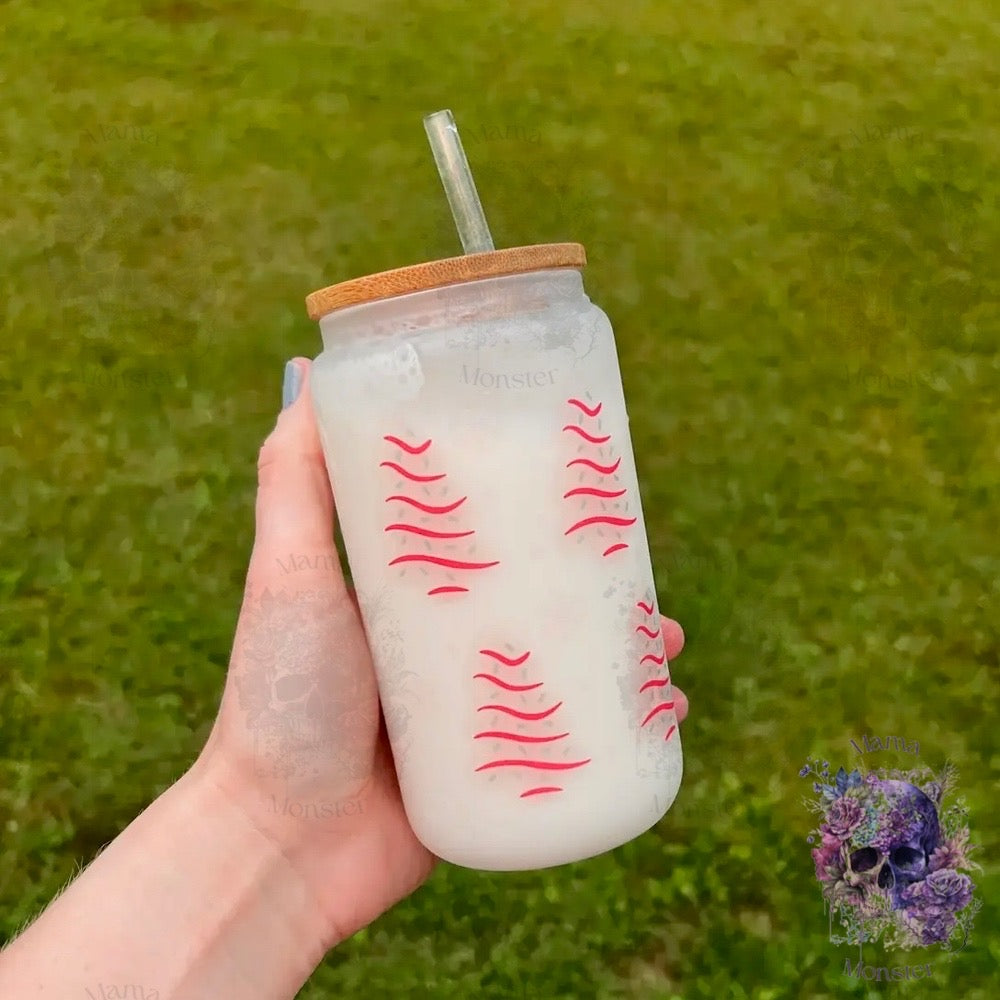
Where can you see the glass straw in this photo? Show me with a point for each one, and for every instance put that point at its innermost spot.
(453, 167)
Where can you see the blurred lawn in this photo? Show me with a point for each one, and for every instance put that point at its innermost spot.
(791, 214)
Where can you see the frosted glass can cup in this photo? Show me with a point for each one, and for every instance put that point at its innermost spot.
(474, 428)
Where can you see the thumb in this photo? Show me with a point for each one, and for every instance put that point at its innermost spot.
(295, 512)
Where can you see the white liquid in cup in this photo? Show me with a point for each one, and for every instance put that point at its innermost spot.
(486, 490)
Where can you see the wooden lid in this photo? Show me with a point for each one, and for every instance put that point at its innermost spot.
(450, 271)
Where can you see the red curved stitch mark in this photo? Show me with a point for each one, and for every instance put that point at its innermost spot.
(648, 631)
(590, 491)
(606, 469)
(413, 477)
(662, 682)
(427, 532)
(614, 548)
(540, 790)
(664, 706)
(498, 734)
(539, 765)
(649, 656)
(648, 608)
(441, 561)
(504, 659)
(670, 732)
(587, 437)
(409, 448)
(506, 686)
(621, 522)
(447, 590)
(583, 406)
(526, 716)
(426, 507)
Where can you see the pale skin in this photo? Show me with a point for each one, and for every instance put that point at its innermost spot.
(288, 833)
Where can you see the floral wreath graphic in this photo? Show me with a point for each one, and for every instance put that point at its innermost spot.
(891, 861)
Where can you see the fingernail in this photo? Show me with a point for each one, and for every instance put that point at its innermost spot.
(292, 384)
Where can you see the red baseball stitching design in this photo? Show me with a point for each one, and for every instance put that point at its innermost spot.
(606, 470)
(659, 659)
(622, 522)
(506, 660)
(586, 409)
(499, 734)
(577, 429)
(596, 496)
(441, 561)
(425, 508)
(408, 448)
(590, 491)
(518, 714)
(658, 683)
(427, 533)
(412, 476)
(538, 765)
(614, 548)
(508, 687)
(664, 706)
(523, 715)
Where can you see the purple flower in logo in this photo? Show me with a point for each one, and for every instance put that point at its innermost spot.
(843, 818)
(952, 853)
(943, 890)
(935, 927)
(827, 856)
(899, 826)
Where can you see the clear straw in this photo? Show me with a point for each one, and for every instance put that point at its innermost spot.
(466, 209)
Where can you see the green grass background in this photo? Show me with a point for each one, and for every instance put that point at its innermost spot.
(775, 198)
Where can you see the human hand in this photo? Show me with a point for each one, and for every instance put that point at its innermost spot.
(298, 743)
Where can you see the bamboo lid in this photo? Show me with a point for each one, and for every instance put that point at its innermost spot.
(450, 271)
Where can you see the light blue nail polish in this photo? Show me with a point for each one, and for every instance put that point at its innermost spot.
(292, 384)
